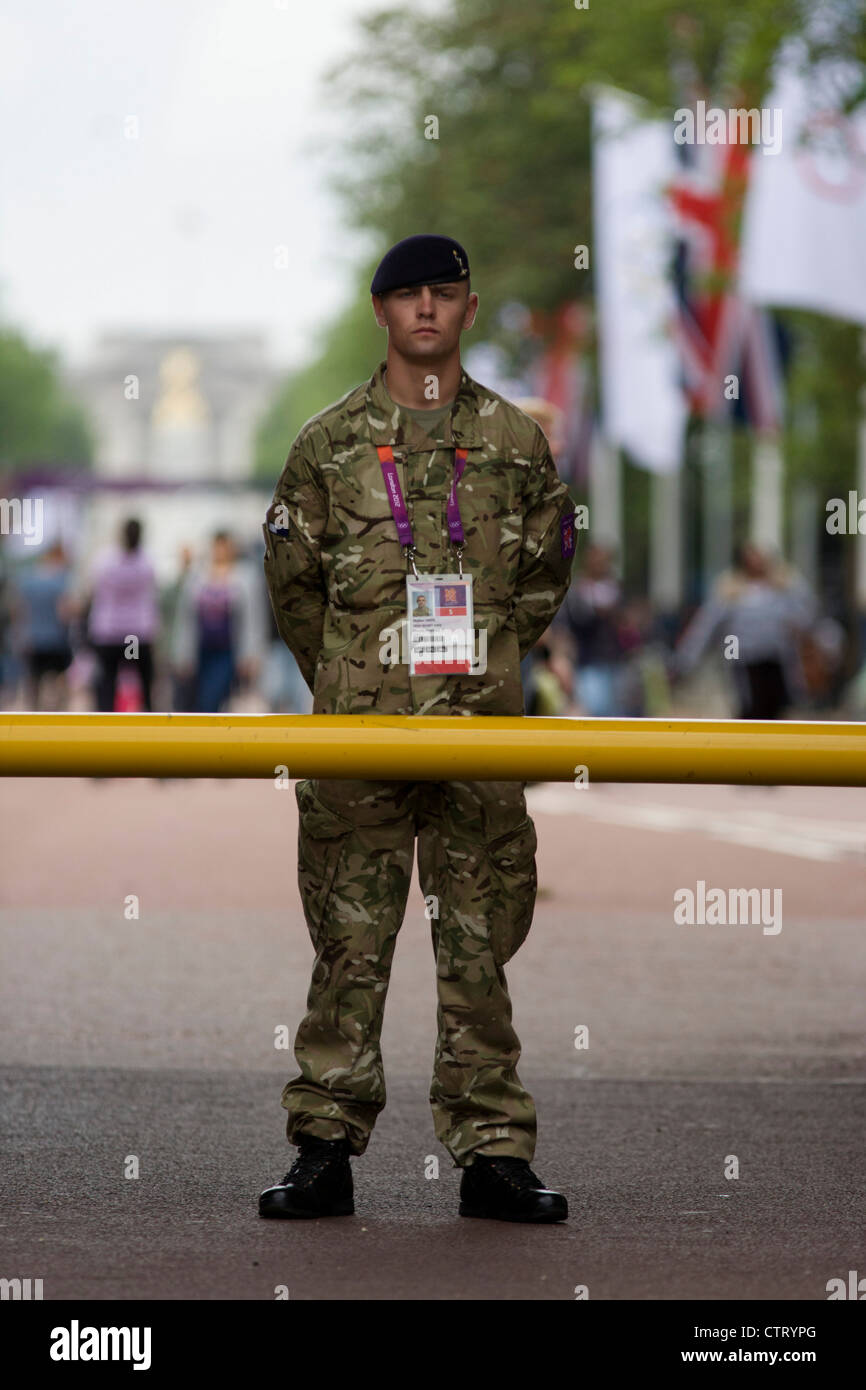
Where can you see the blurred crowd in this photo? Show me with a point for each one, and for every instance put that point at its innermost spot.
(761, 631)
(609, 654)
(113, 639)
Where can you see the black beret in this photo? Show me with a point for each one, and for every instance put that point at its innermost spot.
(420, 260)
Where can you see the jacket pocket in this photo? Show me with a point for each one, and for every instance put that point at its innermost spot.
(514, 888)
(344, 685)
(349, 674)
(322, 835)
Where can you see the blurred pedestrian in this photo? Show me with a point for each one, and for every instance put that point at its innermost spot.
(541, 670)
(283, 685)
(9, 663)
(545, 692)
(592, 615)
(43, 607)
(219, 628)
(761, 609)
(123, 619)
(182, 693)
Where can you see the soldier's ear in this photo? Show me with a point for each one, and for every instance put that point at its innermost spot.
(379, 311)
(471, 310)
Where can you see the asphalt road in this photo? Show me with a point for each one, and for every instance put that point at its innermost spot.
(153, 1037)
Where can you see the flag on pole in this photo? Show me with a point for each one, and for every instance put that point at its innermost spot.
(729, 347)
(562, 376)
(804, 223)
(643, 407)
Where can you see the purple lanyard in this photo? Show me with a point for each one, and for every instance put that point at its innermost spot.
(398, 504)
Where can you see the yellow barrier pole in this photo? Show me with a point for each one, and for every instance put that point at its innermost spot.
(432, 748)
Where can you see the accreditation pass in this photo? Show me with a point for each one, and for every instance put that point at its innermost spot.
(441, 628)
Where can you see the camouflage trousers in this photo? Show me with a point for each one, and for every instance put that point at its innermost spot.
(476, 868)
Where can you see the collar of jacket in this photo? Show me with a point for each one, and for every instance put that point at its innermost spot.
(393, 427)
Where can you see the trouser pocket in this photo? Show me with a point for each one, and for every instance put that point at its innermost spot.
(514, 883)
(322, 834)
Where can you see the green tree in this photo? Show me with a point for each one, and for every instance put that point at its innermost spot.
(510, 85)
(349, 349)
(39, 422)
(510, 175)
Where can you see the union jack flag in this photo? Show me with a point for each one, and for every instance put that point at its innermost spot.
(720, 334)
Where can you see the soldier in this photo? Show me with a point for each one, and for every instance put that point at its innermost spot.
(419, 473)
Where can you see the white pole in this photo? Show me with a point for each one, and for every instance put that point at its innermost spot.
(716, 470)
(767, 474)
(806, 509)
(860, 560)
(605, 492)
(666, 541)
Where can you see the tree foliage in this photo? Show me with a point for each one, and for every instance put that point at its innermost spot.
(39, 422)
(510, 174)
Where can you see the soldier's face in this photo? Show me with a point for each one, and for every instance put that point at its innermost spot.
(425, 322)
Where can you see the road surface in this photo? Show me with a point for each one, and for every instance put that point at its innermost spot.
(710, 1049)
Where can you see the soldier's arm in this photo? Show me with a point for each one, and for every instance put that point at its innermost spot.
(547, 552)
(293, 527)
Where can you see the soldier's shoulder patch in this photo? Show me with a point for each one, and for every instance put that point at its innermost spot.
(278, 519)
(566, 532)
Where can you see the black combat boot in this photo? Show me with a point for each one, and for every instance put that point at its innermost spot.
(319, 1182)
(506, 1189)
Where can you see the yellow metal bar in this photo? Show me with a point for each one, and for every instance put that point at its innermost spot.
(432, 748)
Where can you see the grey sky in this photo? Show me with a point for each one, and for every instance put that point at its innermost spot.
(177, 228)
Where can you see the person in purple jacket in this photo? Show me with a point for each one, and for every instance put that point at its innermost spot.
(219, 632)
(124, 606)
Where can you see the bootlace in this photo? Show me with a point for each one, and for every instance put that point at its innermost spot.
(309, 1164)
(514, 1171)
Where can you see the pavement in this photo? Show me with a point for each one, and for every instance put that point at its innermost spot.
(148, 1032)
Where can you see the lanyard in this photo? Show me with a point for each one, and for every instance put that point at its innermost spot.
(401, 515)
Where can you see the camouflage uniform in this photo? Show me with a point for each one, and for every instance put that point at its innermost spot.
(336, 575)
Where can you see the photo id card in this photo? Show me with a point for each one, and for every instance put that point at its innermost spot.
(441, 627)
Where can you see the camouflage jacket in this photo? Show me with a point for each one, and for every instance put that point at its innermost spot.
(336, 573)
